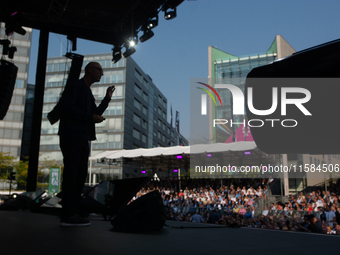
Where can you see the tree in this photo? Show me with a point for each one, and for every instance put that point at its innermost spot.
(7, 163)
(21, 170)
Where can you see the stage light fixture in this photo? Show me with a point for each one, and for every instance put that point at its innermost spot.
(5, 46)
(168, 15)
(133, 41)
(116, 54)
(146, 36)
(151, 24)
(129, 52)
(11, 51)
(11, 28)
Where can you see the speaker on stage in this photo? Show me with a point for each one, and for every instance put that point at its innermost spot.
(145, 213)
(8, 74)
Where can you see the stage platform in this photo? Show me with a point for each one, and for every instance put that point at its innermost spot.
(33, 233)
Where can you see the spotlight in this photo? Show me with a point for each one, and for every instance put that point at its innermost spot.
(129, 52)
(179, 156)
(168, 15)
(147, 35)
(247, 153)
(143, 172)
(176, 170)
(133, 41)
(13, 27)
(5, 46)
(152, 23)
(209, 155)
(11, 51)
(116, 54)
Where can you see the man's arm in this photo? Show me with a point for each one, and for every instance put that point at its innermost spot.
(105, 102)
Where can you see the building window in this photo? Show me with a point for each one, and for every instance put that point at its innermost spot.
(145, 83)
(137, 89)
(136, 119)
(136, 134)
(145, 110)
(144, 124)
(143, 138)
(137, 104)
(145, 97)
(138, 76)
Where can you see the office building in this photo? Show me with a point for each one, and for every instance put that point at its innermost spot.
(11, 127)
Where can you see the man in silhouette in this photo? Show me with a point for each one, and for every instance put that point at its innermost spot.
(79, 114)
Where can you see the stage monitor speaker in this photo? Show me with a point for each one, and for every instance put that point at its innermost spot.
(8, 75)
(144, 214)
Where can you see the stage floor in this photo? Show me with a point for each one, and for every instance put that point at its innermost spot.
(33, 233)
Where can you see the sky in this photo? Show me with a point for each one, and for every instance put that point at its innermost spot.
(178, 51)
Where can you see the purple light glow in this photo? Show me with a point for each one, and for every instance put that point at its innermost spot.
(175, 170)
(247, 153)
(143, 172)
(179, 156)
(14, 13)
(209, 155)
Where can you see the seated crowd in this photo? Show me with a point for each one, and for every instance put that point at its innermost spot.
(233, 203)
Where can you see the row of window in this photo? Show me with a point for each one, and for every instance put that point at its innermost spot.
(14, 151)
(141, 93)
(53, 95)
(10, 133)
(65, 66)
(142, 108)
(14, 116)
(142, 80)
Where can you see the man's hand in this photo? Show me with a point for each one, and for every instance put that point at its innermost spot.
(110, 91)
(97, 118)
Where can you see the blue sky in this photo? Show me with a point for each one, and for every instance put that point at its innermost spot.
(179, 49)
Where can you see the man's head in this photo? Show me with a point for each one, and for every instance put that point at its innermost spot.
(93, 73)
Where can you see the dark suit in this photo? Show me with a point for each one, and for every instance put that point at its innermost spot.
(76, 129)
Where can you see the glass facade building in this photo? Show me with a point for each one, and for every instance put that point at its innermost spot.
(225, 68)
(11, 127)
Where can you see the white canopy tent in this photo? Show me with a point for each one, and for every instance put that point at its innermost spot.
(176, 150)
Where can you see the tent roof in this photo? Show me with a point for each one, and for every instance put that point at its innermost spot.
(176, 150)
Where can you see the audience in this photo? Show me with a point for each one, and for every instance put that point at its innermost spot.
(233, 203)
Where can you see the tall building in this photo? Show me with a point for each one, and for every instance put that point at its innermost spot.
(135, 118)
(230, 69)
(11, 127)
(225, 68)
